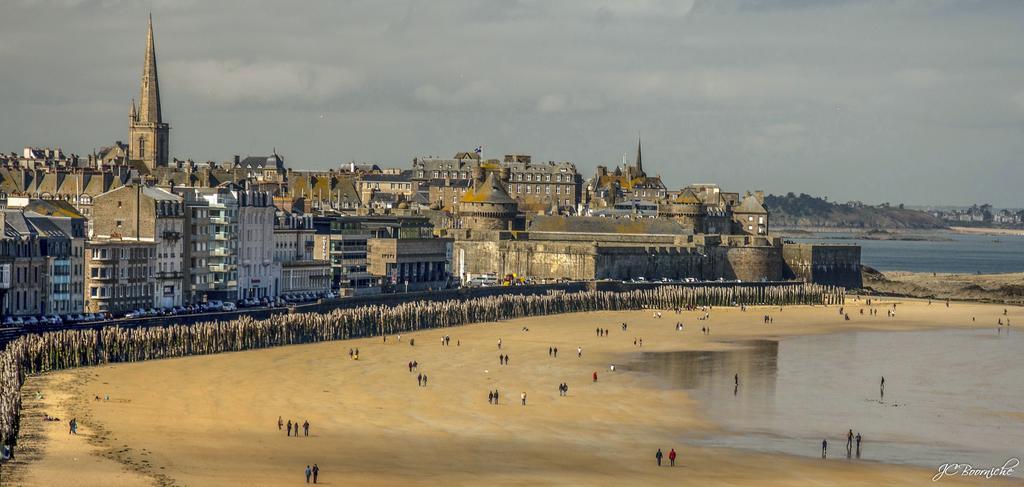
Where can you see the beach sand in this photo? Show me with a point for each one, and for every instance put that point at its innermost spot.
(212, 420)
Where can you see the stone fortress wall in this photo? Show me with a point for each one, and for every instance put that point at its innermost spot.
(824, 264)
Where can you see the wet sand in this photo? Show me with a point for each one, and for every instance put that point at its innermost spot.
(212, 420)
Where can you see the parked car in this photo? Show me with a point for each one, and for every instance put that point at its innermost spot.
(214, 305)
(137, 313)
(31, 320)
(8, 321)
(229, 306)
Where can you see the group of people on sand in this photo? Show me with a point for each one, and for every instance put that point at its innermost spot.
(492, 397)
(671, 457)
(293, 426)
(502, 359)
(553, 352)
(850, 440)
(601, 332)
(353, 354)
(313, 472)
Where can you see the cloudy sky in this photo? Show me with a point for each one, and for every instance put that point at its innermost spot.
(920, 102)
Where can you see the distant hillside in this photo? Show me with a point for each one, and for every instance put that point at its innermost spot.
(808, 211)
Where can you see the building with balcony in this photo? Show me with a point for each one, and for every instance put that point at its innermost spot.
(120, 275)
(341, 240)
(148, 214)
(294, 241)
(257, 271)
(41, 255)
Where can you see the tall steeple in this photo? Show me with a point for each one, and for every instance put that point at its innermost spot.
(149, 100)
(639, 157)
(148, 135)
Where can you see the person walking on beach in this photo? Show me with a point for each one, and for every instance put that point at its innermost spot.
(736, 379)
(549, 351)
(424, 380)
(309, 472)
(419, 380)
(858, 444)
(579, 352)
(495, 396)
(490, 397)
(658, 456)
(305, 428)
(523, 397)
(289, 427)
(499, 344)
(556, 352)
(595, 376)
(881, 387)
(296, 429)
(849, 442)
(824, 448)
(316, 472)
(280, 423)
(672, 457)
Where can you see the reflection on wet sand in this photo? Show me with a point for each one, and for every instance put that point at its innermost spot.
(950, 395)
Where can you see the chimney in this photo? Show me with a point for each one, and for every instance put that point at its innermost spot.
(237, 159)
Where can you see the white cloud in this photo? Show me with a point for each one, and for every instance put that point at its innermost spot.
(261, 82)
(479, 92)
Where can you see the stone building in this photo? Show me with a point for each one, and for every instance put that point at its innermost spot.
(120, 275)
(44, 243)
(487, 204)
(410, 264)
(148, 214)
(294, 241)
(534, 186)
(398, 185)
(261, 168)
(490, 241)
(341, 240)
(148, 135)
(624, 183)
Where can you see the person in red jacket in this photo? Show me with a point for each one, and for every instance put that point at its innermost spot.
(595, 376)
(672, 457)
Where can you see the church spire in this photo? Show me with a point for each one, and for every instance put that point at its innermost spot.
(149, 101)
(133, 115)
(639, 158)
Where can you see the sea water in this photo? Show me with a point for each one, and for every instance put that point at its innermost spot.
(951, 396)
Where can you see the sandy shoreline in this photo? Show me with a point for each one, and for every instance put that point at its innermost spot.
(988, 231)
(211, 420)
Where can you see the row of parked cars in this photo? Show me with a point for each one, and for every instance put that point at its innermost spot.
(216, 305)
(55, 319)
(208, 307)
